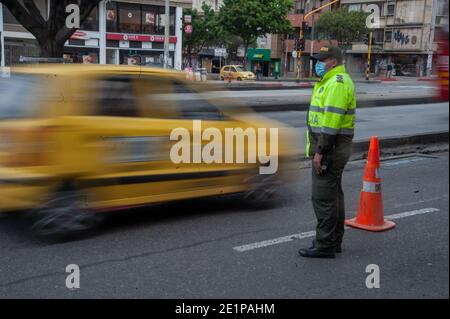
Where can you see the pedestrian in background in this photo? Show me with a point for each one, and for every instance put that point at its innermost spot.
(390, 67)
(331, 124)
(258, 71)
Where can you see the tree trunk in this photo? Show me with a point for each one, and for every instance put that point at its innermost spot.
(245, 54)
(51, 48)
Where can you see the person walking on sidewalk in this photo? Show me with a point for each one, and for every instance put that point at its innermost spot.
(331, 124)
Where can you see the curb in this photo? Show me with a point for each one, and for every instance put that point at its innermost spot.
(392, 142)
(264, 87)
(304, 106)
(361, 147)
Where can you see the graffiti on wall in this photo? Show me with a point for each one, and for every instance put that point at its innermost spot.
(401, 38)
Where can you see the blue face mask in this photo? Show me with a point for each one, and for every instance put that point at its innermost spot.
(321, 69)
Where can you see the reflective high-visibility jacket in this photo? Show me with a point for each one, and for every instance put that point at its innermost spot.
(332, 111)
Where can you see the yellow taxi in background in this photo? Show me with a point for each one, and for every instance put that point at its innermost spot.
(235, 72)
(80, 140)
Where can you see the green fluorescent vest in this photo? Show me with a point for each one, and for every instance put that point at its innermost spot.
(332, 107)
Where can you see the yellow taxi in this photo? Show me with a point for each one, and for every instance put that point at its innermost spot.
(235, 72)
(80, 140)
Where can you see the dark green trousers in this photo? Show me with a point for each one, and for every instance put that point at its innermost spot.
(328, 197)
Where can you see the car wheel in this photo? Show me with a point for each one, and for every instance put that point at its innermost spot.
(239, 79)
(222, 78)
(64, 216)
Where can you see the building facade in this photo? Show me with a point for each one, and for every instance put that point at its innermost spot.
(404, 36)
(116, 32)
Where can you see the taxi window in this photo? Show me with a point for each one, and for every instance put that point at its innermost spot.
(116, 97)
(156, 97)
(195, 106)
(21, 96)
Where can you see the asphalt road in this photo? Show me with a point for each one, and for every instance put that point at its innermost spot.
(191, 249)
(371, 92)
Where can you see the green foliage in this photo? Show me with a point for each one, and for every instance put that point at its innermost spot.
(206, 29)
(250, 19)
(344, 26)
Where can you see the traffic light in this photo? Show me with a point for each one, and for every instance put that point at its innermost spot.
(366, 39)
(305, 26)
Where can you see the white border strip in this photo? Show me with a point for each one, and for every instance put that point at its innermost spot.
(312, 233)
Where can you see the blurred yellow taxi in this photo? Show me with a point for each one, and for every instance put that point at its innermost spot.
(235, 72)
(79, 140)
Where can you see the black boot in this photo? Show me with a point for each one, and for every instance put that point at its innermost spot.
(315, 252)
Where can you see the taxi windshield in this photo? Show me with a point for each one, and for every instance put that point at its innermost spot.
(18, 95)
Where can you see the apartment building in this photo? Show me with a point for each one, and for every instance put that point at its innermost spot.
(405, 36)
(116, 32)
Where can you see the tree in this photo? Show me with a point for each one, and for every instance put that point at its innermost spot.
(344, 26)
(206, 30)
(250, 19)
(51, 34)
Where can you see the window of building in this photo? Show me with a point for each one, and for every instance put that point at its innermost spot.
(129, 18)
(149, 15)
(8, 17)
(442, 8)
(354, 7)
(111, 17)
(377, 36)
(91, 22)
(390, 9)
(388, 36)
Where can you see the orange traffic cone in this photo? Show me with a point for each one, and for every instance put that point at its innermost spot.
(370, 211)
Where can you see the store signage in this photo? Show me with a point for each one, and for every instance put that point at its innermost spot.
(187, 19)
(188, 29)
(80, 35)
(138, 37)
(220, 52)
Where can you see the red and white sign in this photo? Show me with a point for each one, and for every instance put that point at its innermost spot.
(138, 37)
(80, 35)
(188, 29)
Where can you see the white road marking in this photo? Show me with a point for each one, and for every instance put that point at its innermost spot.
(312, 233)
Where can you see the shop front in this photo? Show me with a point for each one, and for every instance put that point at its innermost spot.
(259, 57)
(116, 32)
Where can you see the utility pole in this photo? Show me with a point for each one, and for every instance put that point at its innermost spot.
(311, 51)
(304, 17)
(369, 51)
(166, 34)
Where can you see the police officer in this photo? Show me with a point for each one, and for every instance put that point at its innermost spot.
(331, 123)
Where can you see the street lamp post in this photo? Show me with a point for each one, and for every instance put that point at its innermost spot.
(304, 17)
(166, 34)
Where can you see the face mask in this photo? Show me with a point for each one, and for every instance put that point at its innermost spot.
(321, 69)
